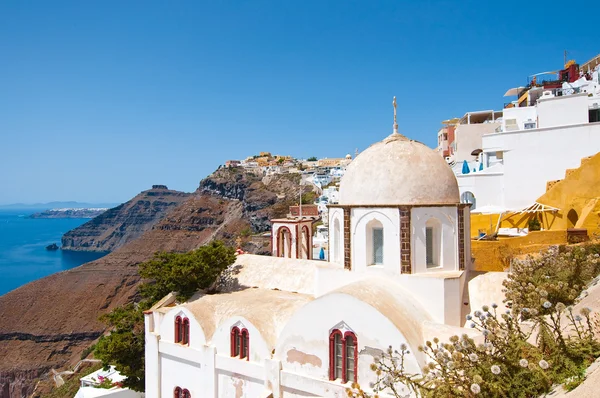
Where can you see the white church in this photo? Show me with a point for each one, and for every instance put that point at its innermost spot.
(286, 326)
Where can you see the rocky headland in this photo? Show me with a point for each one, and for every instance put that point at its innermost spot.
(124, 223)
(47, 324)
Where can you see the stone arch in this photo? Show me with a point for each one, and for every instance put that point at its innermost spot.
(284, 242)
(572, 218)
(469, 197)
(305, 243)
(336, 241)
(375, 246)
(367, 220)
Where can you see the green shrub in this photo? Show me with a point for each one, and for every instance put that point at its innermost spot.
(534, 224)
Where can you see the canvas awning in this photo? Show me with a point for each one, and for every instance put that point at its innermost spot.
(536, 208)
(514, 91)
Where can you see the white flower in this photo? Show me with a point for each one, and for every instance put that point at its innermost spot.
(473, 357)
(472, 325)
(486, 332)
(494, 305)
(524, 363)
(495, 369)
(578, 318)
(403, 346)
(543, 364)
(547, 304)
(477, 313)
(475, 389)
(469, 317)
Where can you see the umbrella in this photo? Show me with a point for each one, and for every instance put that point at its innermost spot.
(322, 254)
(465, 169)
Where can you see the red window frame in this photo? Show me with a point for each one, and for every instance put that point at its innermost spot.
(240, 343)
(177, 392)
(177, 330)
(186, 393)
(245, 346)
(186, 332)
(344, 338)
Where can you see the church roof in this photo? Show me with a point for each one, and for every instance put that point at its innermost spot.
(267, 272)
(398, 171)
(268, 310)
(395, 303)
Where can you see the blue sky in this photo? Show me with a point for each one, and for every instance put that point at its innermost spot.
(100, 100)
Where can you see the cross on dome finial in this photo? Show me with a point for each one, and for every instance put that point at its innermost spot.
(395, 121)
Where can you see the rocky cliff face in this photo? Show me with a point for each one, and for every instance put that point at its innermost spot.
(124, 223)
(48, 323)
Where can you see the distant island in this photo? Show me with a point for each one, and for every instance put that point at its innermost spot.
(56, 205)
(70, 213)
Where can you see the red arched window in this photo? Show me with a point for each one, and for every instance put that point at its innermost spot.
(186, 394)
(186, 331)
(235, 341)
(343, 356)
(177, 392)
(178, 329)
(245, 351)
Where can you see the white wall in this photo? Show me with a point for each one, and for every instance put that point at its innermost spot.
(520, 115)
(390, 219)
(221, 340)
(303, 347)
(534, 157)
(563, 111)
(487, 186)
(448, 249)
(179, 372)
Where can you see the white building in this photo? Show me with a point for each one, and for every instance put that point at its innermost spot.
(285, 327)
(90, 386)
(534, 145)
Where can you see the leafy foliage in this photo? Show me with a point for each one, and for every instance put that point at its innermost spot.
(537, 342)
(184, 273)
(312, 159)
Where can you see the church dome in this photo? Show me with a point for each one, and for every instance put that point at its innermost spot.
(398, 171)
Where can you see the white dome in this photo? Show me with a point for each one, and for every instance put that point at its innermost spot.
(398, 171)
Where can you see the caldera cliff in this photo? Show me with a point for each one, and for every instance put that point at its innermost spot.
(122, 224)
(46, 324)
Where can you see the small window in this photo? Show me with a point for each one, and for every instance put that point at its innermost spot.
(377, 245)
(342, 356)
(429, 245)
(178, 329)
(182, 330)
(186, 394)
(177, 393)
(432, 243)
(186, 332)
(240, 343)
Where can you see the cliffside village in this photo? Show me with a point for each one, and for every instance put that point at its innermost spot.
(411, 251)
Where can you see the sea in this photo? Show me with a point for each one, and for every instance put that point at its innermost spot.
(23, 254)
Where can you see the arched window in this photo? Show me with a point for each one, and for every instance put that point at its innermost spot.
(468, 197)
(235, 341)
(335, 245)
(375, 246)
(185, 339)
(178, 325)
(240, 343)
(343, 356)
(245, 349)
(181, 393)
(433, 242)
